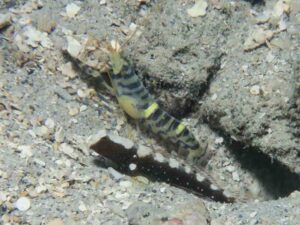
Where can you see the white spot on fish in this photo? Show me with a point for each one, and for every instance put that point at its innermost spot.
(132, 166)
(187, 169)
(159, 157)
(173, 163)
(199, 177)
(214, 187)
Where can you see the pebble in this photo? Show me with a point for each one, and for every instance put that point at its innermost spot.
(59, 135)
(23, 204)
(253, 214)
(257, 38)
(41, 189)
(230, 168)
(83, 108)
(255, 90)
(82, 207)
(33, 37)
(125, 184)
(73, 46)
(68, 150)
(56, 221)
(142, 179)
(294, 194)
(102, 2)
(42, 131)
(235, 176)
(143, 151)
(72, 9)
(46, 24)
(73, 110)
(214, 97)
(50, 123)
(26, 151)
(199, 8)
(39, 162)
(219, 140)
(115, 174)
(5, 20)
(3, 196)
(67, 70)
(81, 93)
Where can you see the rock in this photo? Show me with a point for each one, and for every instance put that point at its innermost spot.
(56, 221)
(82, 207)
(26, 151)
(5, 20)
(199, 8)
(46, 24)
(255, 90)
(143, 151)
(42, 131)
(125, 184)
(23, 204)
(116, 175)
(67, 70)
(73, 46)
(59, 135)
(72, 9)
(35, 38)
(50, 123)
(68, 150)
(145, 213)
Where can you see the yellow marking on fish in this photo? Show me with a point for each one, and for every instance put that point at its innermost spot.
(148, 112)
(180, 128)
(129, 105)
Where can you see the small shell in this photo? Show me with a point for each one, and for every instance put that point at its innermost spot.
(199, 8)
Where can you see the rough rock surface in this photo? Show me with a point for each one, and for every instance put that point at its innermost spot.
(245, 103)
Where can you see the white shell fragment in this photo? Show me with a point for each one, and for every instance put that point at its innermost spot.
(143, 151)
(72, 9)
(34, 38)
(173, 163)
(59, 135)
(199, 8)
(23, 204)
(67, 70)
(50, 123)
(258, 38)
(255, 90)
(68, 150)
(26, 151)
(73, 46)
(282, 6)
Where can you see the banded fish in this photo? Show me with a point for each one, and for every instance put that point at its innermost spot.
(139, 104)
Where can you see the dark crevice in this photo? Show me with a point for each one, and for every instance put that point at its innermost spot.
(274, 177)
(187, 105)
(256, 2)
